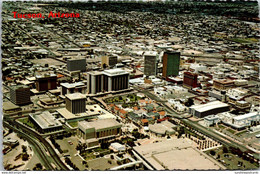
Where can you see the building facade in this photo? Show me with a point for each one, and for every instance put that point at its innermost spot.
(223, 84)
(20, 94)
(171, 63)
(108, 61)
(76, 65)
(115, 79)
(210, 108)
(190, 80)
(95, 82)
(107, 80)
(76, 103)
(150, 64)
(46, 82)
(98, 130)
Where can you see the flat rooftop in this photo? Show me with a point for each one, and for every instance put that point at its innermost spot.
(209, 106)
(45, 76)
(177, 154)
(45, 120)
(75, 96)
(162, 128)
(224, 81)
(100, 124)
(72, 85)
(9, 106)
(115, 72)
(91, 110)
(247, 116)
(74, 58)
(18, 87)
(150, 53)
(95, 73)
(211, 117)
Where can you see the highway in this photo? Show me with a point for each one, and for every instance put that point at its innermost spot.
(35, 145)
(34, 137)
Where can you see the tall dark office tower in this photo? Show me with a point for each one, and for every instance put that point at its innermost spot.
(76, 103)
(150, 64)
(76, 65)
(20, 94)
(171, 63)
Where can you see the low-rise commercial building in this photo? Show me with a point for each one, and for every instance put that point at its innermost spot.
(45, 122)
(211, 120)
(208, 109)
(98, 131)
(223, 84)
(108, 61)
(69, 88)
(162, 129)
(239, 121)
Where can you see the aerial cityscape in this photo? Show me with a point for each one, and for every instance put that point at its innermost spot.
(130, 85)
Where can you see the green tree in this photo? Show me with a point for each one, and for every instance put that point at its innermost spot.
(212, 152)
(24, 148)
(25, 157)
(225, 149)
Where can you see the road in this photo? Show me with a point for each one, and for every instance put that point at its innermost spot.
(35, 145)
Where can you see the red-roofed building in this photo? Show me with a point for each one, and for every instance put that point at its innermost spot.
(144, 122)
(122, 113)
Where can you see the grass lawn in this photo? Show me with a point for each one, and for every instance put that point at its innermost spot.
(240, 133)
(123, 98)
(73, 124)
(231, 130)
(221, 126)
(27, 122)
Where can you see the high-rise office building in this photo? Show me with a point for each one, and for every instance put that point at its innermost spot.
(108, 80)
(108, 61)
(171, 63)
(95, 82)
(150, 64)
(46, 82)
(76, 65)
(76, 103)
(115, 79)
(190, 80)
(20, 94)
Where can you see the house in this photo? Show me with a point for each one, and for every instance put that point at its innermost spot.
(122, 113)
